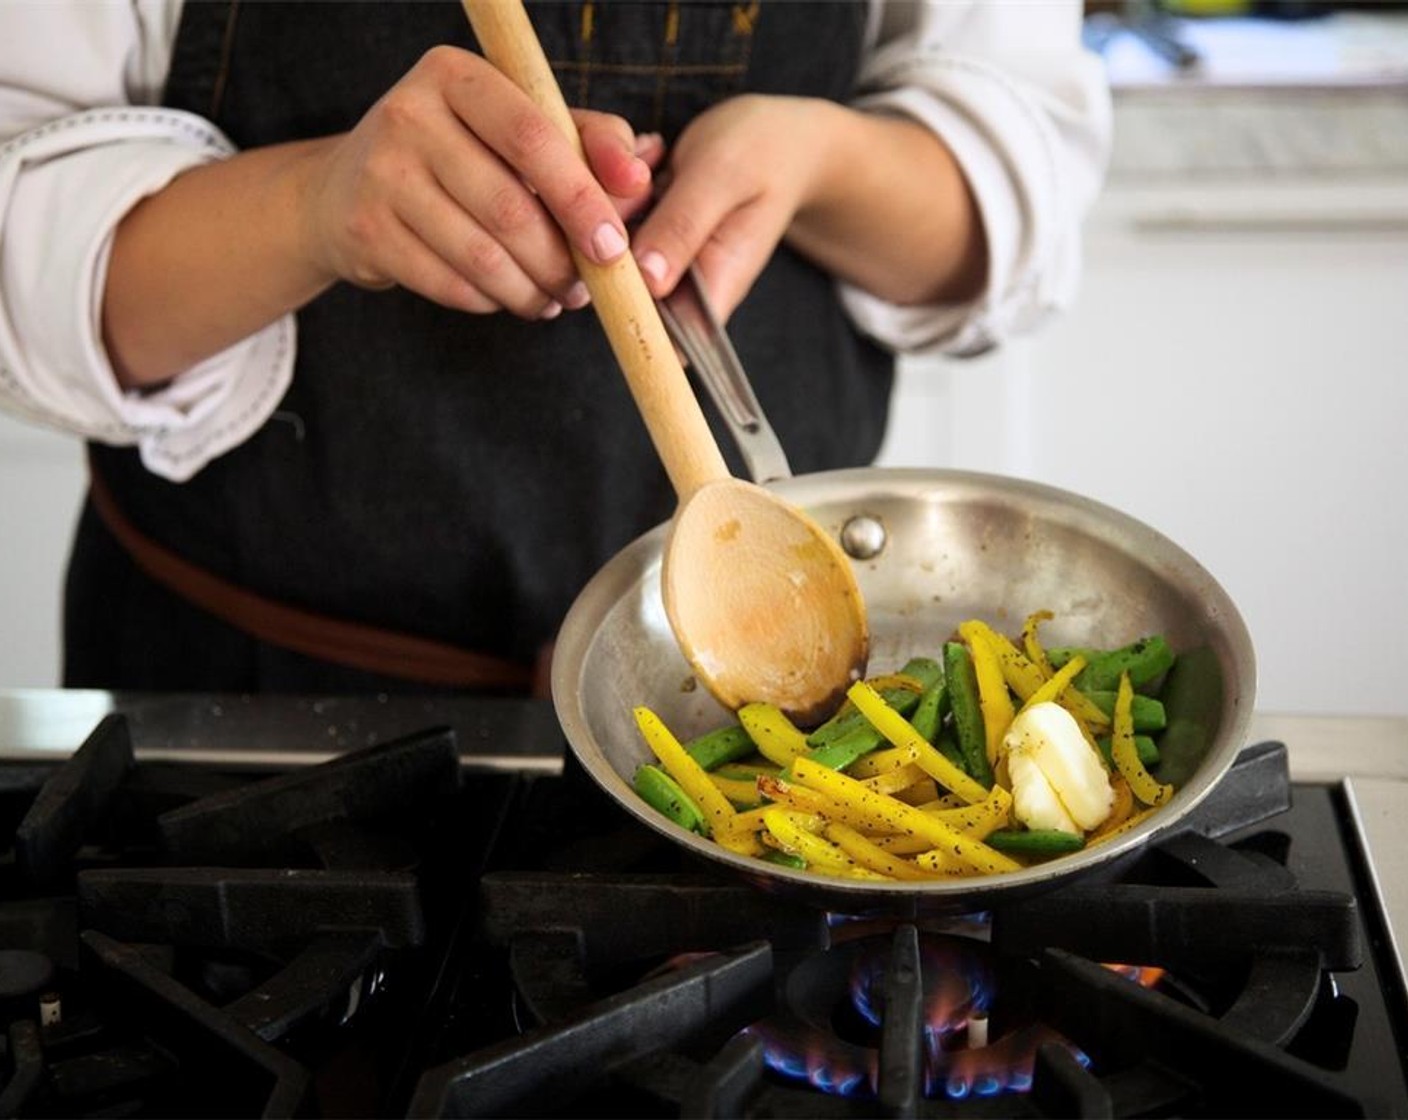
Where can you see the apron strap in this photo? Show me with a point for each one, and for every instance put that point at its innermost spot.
(349, 644)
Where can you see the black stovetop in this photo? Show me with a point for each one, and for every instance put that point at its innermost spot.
(396, 933)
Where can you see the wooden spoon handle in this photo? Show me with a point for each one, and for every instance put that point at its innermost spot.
(623, 303)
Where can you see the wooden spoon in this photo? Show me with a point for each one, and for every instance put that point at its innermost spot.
(762, 601)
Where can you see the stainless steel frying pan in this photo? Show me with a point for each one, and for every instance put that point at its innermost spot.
(931, 548)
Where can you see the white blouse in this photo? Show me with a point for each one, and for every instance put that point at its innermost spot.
(1023, 107)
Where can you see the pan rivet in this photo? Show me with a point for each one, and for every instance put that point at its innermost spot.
(863, 537)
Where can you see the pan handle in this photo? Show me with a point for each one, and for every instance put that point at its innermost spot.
(695, 329)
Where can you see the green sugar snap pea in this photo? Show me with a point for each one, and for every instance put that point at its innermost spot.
(657, 789)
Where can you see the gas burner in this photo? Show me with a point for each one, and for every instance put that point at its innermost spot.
(830, 1028)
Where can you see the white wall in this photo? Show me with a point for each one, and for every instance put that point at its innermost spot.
(1234, 376)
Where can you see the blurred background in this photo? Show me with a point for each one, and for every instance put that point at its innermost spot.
(1232, 373)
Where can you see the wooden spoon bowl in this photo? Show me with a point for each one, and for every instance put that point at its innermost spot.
(763, 603)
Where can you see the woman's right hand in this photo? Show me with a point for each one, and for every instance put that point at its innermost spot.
(456, 186)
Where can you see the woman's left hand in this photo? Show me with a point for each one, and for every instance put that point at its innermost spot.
(878, 201)
(735, 179)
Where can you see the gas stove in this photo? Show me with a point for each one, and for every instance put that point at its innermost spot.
(423, 907)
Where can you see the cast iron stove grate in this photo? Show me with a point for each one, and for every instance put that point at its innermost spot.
(178, 941)
(660, 992)
(391, 934)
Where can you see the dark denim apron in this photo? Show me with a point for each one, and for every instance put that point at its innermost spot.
(455, 477)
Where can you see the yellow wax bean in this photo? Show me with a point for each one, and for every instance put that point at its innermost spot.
(737, 790)
(1126, 756)
(978, 820)
(1036, 653)
(692, 777)
(975, 854)
(743, 824)
(956, 781)
(944, 864)
(921, 792)
(775, 736)
(882, 762)
(806, 800)
(901, 845)
(901, 733)
(794, 836)
(993, 697)
(1022, 674)
(1052, 689)
(1024, 677)
(947, 801)
(740, 843)
(1124, 807)
(895, 780)
(868, 854)
(901, 817)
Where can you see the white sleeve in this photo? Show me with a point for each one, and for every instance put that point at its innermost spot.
(78, 153)
(1025, 110)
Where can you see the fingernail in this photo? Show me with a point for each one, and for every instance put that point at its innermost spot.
(654, 265)
(608, 242)
(577, 297)
(551, 311)
(647, 141)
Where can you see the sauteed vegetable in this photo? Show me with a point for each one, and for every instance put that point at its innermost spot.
(993, 755)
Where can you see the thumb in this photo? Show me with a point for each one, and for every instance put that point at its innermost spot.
(734, 256)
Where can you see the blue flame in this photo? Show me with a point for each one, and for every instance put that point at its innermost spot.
(1004, 1066)
(784, 1062)
(803, 1053)
(959, 985)
(989, 1086)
